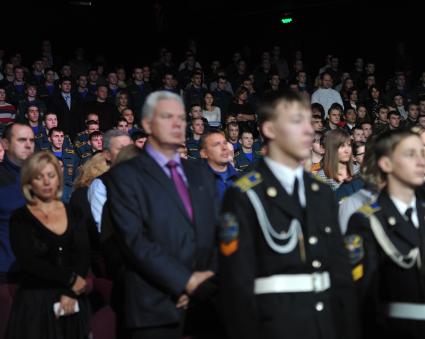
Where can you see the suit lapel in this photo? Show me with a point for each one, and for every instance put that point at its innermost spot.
(195, 188)
(151, 167)
(63, 102)
(401, 227)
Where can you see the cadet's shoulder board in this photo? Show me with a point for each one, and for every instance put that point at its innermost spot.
(248, 181)
(69, 151)
(368, 209)
(85, 155)
(238, 153)
(229, 233)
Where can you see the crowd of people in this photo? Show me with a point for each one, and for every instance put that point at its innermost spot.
(240, 200)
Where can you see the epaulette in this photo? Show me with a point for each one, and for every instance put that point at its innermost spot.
(238, 153)
(318, 178)
(69, 151)
(368, 209)
(248, 181)
(79, 144)
(85, 155)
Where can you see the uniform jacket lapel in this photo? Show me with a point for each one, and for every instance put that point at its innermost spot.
(401, 228)
(282, 199)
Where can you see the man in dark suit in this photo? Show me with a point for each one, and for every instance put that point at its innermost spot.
(67, 108)
(284, 272)
(164, 212)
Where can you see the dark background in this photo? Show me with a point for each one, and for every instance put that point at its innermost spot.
(127, 32)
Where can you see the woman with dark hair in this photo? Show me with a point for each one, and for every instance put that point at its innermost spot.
(352, 99)
(375, 101)
(346, 88)
(338, 170)
(51, 249)
(385, 240)
(362, 114)
(211, 112)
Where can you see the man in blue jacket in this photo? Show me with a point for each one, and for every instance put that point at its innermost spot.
(215, 149)
(18, 141)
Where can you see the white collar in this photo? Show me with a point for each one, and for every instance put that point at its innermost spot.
(286, 176)
(402, 208)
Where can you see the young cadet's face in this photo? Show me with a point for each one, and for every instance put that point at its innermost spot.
(291, 132)
(407, 163)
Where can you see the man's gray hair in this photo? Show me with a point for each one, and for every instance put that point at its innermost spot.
(152, 101)
(109, 135)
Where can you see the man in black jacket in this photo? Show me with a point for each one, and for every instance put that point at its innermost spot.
(164, 211)
(67, 108)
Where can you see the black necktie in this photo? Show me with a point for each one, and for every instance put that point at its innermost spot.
(408, 215)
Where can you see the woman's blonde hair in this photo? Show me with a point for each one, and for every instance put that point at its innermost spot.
(32, 167)
(94, 167)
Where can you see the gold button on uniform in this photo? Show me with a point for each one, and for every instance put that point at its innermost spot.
(315, 186)
(320, 306)
(312, 240)
(316, 264)
(272, 192)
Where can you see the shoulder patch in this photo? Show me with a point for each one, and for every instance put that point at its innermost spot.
(357, 272)
(248, 181)
(354, 245)
(229, 233)
(368, 209)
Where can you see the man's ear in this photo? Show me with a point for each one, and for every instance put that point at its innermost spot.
(5, 144)
(146, 124)
(203, 154)
(268, 130)
(385, 164)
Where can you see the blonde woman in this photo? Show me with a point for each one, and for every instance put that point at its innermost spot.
(80, 206)
(51, 250)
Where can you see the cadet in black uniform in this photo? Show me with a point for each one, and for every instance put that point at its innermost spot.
(386, 242)
(283, 269)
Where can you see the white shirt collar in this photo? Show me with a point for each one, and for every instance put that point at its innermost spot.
(286, 176)
(402, 207)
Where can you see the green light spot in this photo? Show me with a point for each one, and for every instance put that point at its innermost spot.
(287, 20)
